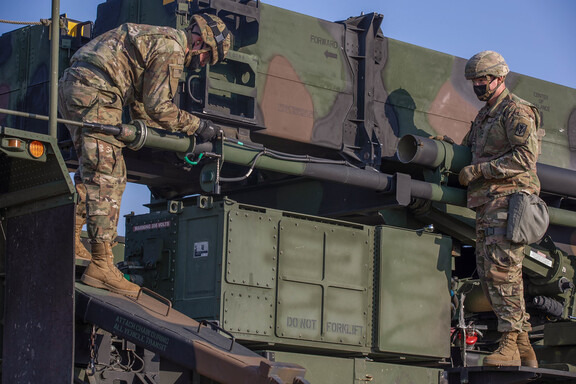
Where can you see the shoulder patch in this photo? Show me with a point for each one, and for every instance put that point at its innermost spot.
(520, 129)
(175, 70)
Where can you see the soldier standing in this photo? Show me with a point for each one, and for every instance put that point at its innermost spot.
(137, 66)
(504, 148)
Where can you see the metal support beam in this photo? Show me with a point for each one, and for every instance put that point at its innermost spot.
(54, 46)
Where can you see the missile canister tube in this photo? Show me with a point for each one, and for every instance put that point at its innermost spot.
(411, 149)
(414, 149)
(562, 217)
(138, 135)
(236, 153)
(557, 180)
(439, 193)
(431, 153)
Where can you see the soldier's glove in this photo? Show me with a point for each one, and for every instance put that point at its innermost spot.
(207, 130)
(443, 138)
(469, 173)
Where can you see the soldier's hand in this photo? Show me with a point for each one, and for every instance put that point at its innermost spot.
(445, 138)
(207, 130)
(469, 173)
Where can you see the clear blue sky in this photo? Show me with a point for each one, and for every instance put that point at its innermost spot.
(536, 37)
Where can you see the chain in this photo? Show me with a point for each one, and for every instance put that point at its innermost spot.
(92, 364)
(218, 170)
(2, 227)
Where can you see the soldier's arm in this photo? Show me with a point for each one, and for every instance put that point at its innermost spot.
(138, 112)
(521, 129)
(160, 86)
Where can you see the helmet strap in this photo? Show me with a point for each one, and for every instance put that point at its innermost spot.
(218, 36)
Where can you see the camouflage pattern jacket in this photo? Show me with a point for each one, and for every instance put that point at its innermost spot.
(503, 140)
(142, 65)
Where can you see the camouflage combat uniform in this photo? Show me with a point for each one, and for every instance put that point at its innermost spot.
(132, 65)
(503, 140)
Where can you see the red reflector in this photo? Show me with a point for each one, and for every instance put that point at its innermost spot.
(471, 340)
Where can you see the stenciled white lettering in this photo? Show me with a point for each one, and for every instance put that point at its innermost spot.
(146, 227)
(140, 333)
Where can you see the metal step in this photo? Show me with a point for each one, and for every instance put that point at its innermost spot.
(508, 375)
(200, 346)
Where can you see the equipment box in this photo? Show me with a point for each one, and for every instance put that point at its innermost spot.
(267, 276)
(414, 292)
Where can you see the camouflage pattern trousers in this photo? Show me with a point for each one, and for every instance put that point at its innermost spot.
(499, 264)
(101, 172)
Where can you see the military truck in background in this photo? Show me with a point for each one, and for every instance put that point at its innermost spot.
(324, 238)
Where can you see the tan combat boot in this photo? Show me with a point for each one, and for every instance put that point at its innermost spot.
(507, 353)
(79, 248)
(102, 273)
(527, 355)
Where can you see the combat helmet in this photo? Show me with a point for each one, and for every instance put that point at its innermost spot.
(486, 63)
(214, 33)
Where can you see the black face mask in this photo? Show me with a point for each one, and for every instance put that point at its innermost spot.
(483, 91)
(195, 62)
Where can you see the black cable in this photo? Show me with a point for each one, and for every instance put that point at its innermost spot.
(240, 178)
(289, 157)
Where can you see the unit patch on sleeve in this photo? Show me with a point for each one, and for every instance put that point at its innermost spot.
(520, 129)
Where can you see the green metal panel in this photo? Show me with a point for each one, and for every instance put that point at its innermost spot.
(151, 241)
(335, 370)
(560, 334)
(231, 97)
(249, 310)
(557, 350)
(299, 310)
(382, 373)
(321, 369)
(180, 250)
(199, 262)
(323, 287)
(25, 72)
(255, 233)
(250, 273)
(414, 292)
(196, 263)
